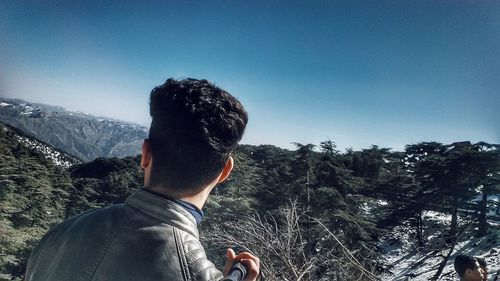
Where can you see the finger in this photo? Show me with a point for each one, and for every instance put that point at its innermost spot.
(230, 255)
(253, 269)
(247, 255)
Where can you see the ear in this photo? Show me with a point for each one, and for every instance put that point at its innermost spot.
(146, 154)
(227, 170)
(468, 272)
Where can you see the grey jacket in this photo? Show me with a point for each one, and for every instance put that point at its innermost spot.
(146, 238)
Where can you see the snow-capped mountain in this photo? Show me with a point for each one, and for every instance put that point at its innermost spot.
(76, 133)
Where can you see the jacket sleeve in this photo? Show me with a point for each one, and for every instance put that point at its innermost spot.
(195, 265)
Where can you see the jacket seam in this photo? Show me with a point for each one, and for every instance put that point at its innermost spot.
(181, 255)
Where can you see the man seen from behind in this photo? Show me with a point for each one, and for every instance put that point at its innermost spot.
(153, 236)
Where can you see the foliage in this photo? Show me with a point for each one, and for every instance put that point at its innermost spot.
(36, 194)
(308, 214)
(29, 203)
(280, 242)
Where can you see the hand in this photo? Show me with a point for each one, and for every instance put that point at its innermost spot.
(251, 262)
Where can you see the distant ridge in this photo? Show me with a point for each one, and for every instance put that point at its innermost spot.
(83, 135)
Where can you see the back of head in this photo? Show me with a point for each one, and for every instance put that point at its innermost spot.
(195, 126)
(462, 263)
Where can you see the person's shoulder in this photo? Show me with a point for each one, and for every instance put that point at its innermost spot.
(114, 213)
(97, 212)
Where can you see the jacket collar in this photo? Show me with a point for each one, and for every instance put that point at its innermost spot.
(163, 210)
(191, 208)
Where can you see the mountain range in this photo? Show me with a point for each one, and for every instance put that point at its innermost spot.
(82, 135)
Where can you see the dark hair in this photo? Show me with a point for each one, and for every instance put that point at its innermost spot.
(481, 261)
(464, 262)
(195, 126)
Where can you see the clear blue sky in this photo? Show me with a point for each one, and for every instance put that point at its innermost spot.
(359, 73)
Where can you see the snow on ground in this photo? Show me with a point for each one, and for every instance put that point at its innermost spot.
(49, 153)
(406, 262)
(57, 157)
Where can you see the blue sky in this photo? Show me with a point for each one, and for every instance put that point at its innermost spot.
(359, 73)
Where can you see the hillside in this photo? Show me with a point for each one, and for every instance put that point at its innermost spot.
(85, 136)
(406, 261)
(57, 156)
(309, 214)
(39, 188)
(32, 179)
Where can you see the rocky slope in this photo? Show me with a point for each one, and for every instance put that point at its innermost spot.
(85, 136)
(57, 156)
